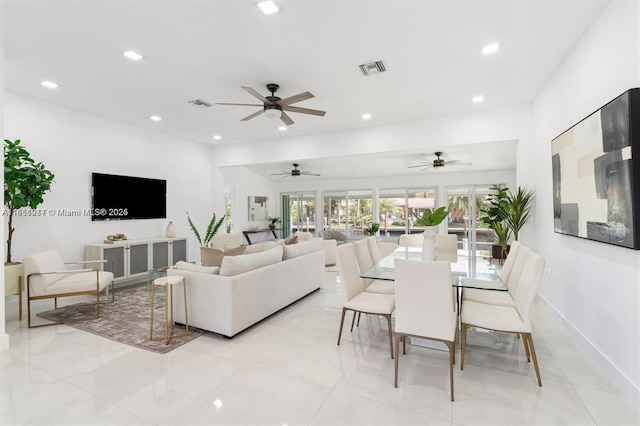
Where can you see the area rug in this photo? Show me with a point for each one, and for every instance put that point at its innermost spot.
(127, 320)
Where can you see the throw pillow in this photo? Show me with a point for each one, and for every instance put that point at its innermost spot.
(211, 256)
(240, 264)
(299, 249)
(186, 266)
(291, 239)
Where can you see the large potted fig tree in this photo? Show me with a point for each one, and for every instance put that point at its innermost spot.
(25, 184)
(494, 213)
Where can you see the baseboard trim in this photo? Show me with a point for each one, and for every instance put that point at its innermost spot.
(617, 377)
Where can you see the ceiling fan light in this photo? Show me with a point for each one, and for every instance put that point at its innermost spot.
(273, 113)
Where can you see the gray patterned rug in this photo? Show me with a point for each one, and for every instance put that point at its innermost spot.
(126, 320)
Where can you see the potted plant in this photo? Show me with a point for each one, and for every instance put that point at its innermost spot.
(25, 184)
(212, 229)
(272, 222)
(494, 213)
(519, 210)
(372, 229)
(430, 219)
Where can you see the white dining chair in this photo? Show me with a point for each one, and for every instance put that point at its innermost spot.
(359, 301)
(365, 262)
(410, 240)
(508, 319)
(514, 263)
(424, 306)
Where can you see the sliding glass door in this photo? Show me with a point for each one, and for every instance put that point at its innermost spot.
(298, 212)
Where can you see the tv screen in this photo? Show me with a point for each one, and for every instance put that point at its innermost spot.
(116, 197)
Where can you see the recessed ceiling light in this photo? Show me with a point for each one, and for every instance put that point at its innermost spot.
(217, 137)
(49, 84)
(366, 116)
(134, 56)
(282, 128)
(268, 7)
(155, 118)
(488, 49)
(477, 99)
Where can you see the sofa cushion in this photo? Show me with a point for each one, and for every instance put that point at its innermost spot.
(235, 265)
(186, 266)
(304, 236)
(254, 248)
(299, 249)
(213, 257)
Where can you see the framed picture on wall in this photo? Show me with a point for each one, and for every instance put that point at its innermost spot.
(596, 174)
(258, 208)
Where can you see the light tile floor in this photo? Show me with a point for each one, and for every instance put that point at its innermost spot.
(288, 370)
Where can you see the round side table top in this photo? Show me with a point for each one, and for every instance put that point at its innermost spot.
(169, 280)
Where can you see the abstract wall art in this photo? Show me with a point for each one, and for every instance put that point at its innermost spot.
(596, 175)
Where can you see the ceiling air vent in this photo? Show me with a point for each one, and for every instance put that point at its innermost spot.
(200, 103)
(372, 68)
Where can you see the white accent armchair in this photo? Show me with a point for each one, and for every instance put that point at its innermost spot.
(48, 278)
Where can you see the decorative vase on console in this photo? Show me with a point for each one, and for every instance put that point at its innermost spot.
(430, 219)
(170, 232)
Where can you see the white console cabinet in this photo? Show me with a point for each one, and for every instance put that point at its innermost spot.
(135, 258)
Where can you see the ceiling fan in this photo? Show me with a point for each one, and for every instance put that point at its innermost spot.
(275, 107)
(294, 173)
(439, 163)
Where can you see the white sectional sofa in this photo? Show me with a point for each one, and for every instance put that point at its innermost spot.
(246, 289)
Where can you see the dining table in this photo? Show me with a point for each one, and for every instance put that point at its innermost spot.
(461, 279)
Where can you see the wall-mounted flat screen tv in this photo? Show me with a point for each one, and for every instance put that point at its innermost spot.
(115, 197)
(596, 175)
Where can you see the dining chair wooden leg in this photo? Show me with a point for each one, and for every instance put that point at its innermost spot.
(397, 357)
(404, 345)
(341, 323)
(529, 338)
(388, 317)
(358, 323)
(353, 320)
(463, 344)
(452, 358)
(526, 348)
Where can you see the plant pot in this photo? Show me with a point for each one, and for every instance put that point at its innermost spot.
(497, 252)
(14, 282)
(429, 243)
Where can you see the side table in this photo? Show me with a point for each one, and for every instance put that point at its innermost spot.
(168, 282)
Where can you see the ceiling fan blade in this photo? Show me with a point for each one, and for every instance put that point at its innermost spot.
(286, 119)
(225, 103)
(255, 114)
(257, 95)
(304, 110)
(451, 162)
(419, 165)
(309, 174)
(295, 98)
(282, 173)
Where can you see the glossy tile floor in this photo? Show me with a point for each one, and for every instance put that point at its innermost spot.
(288, 370)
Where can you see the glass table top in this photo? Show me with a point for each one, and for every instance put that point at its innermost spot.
(385, 269)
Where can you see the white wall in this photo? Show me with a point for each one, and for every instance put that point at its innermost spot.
(74, 144)
(594, 286)
(4, 337)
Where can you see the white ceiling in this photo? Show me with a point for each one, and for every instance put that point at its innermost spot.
(208, 49)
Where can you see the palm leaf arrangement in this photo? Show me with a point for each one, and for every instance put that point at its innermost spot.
(432, 217)
(212, 229)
